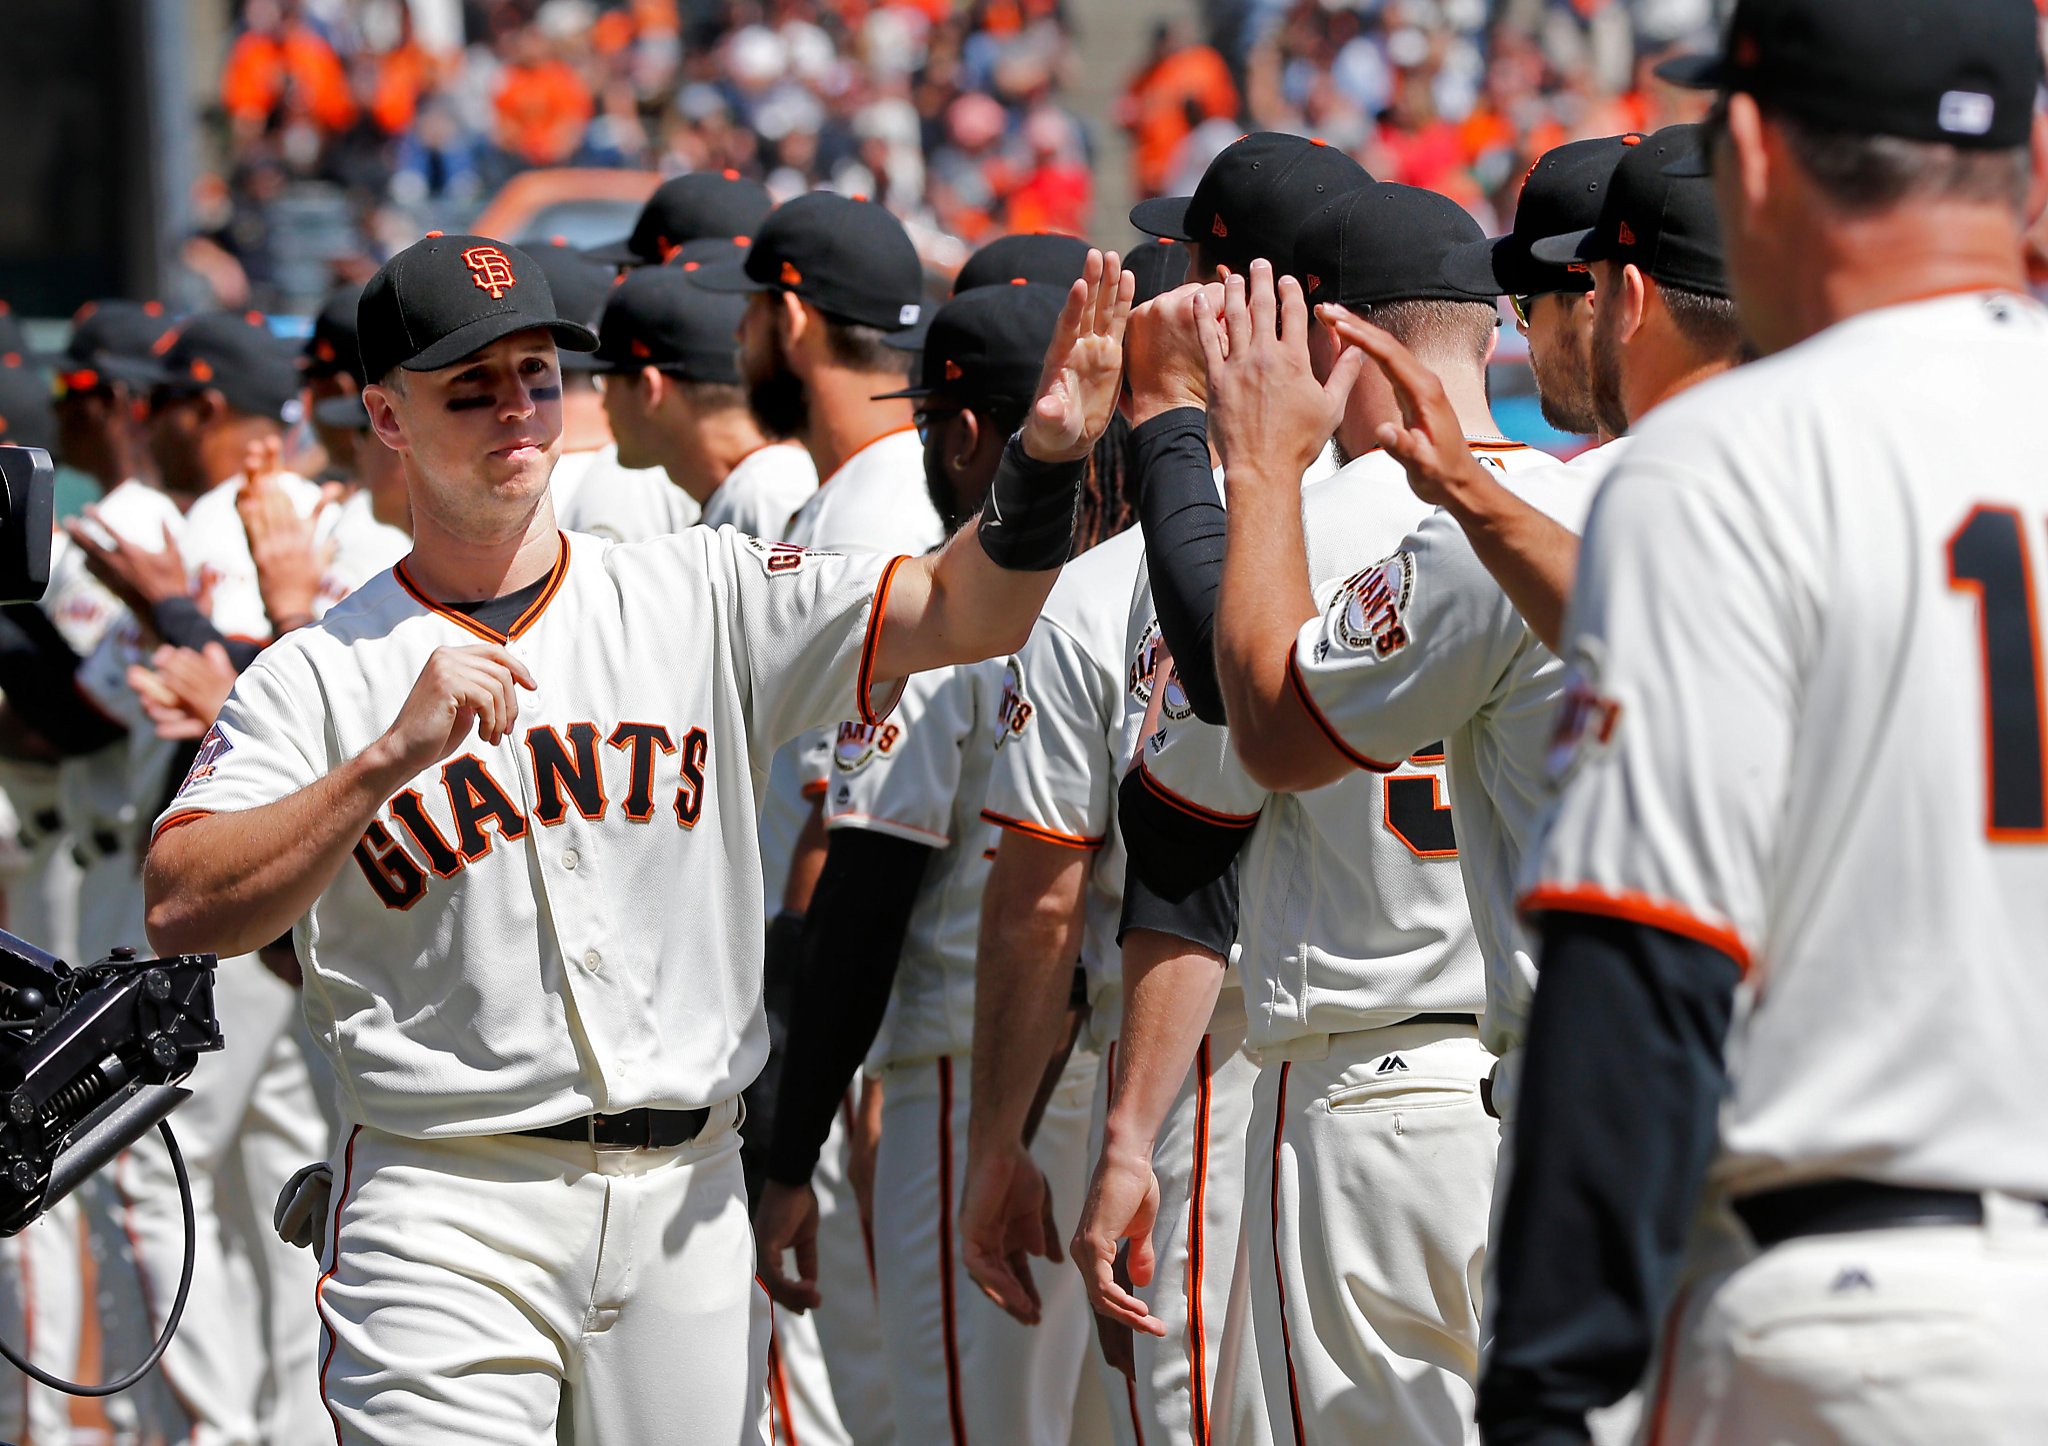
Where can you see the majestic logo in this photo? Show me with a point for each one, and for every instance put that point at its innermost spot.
(491, 270)
(1372, 607)
(1392, 1063)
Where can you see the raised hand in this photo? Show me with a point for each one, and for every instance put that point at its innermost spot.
(182, 691)
(1077, 390)
(1163, 351)
(1268, 415)
(460, 689)
(139, 577)
(1430, 443)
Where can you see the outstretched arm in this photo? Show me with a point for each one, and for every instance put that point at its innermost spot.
(976, 597)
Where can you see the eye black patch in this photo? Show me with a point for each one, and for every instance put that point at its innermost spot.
(469, 404)
(546, 394)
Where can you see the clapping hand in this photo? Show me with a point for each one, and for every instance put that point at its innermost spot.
(1077, 391)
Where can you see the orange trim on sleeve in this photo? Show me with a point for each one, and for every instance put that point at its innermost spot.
(1329, 731)
(870, 644)
(1032, 830)
(1188, 806)
(816, 788)
(174, 820)
(1637, 909)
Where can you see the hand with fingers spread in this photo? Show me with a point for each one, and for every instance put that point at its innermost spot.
(139, 576)
(459, 690)
(182, 691)
(786, 1221)
(1163, 352)
(1006, 1217)
(289, 558)
(1430, 443)
(1078, 389)
(1123, 1205)
(1268, 415)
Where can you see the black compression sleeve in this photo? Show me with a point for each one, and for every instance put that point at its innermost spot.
(1027, 519)
(1183, 521)
(1615, 1127)
(1180, 875)
(180, 623)
(38, 673)
(853, 935)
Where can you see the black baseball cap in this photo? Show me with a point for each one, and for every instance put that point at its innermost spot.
(850, 259)
(116, 329)
(581, 287)
(988, 345)
(1650, 218)
(709, 251)
(1253, 198)
(234, 353)
(720, 204)
(1562, 192)
(1159, 265)
(331, 349)
(1384, 242)
(1961, 74)
(444, 298)
(1033, 256)
(657, 317)
(26, 417)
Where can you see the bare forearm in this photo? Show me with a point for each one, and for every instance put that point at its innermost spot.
(1170, 989)
(1530, 554)
(1264, 601)
(1022, 977)
(226, 883)
(957, 606)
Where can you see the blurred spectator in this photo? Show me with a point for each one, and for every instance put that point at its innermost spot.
(1181, 85)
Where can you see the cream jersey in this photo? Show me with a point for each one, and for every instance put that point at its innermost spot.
(1068, 729)
(592, 493)
(922, 775)
(1423, 647)
(1352, 911)
(1805, 726)
(763, 492)
(75, 601)
(569, 921)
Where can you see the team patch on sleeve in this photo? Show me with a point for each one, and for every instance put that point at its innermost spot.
(1369, 614)
(859, 743)
(780, 559)
(212, 748)
(1586, 717)
(1013, 713)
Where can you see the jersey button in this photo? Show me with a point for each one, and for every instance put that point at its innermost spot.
(570, 858)
(592, 959)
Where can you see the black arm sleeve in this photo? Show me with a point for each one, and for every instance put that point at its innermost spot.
(1183, 521)
(180, 623)
(38, 673)
(1614, 1131)
(853, 936)
(1180, 877)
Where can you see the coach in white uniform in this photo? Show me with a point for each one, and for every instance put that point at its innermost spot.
(1807, 580)
(540, 1028)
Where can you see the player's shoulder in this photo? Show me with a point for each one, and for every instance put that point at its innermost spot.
(365, 614)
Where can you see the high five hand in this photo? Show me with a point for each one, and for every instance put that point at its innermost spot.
(1077, 391)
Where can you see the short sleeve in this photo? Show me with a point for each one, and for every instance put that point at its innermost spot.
(900, 776)
(808, 625)
(1191, 766)
(1054, 777)
(1674, 740)
(264, 746)
(1405, 652)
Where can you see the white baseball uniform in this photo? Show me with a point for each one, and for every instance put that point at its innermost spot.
(1795, 595)
(922, 776)
(592, 493)
(1370, 1161)
(763, 491)
(1082, 684)
(488, 962)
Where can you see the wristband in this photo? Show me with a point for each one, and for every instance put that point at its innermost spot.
(1027, 519)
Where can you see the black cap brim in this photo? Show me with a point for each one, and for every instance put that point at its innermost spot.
(1694, 72)
(1470, 266)
(1165, 216)
(467, 341)
(908, 393)
(346, 414)
(1565, 249)
(578, 361)
(615, 253)
(134, 372)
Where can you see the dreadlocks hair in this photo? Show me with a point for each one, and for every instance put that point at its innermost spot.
(1107, 507)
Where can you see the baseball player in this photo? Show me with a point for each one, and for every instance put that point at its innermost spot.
(1371, 1158)
(695, 206)
(899, 898)
(593, 492)
(1808, 958)
(331, 368)
(829, 282)
(672, 392)
(540, 1185)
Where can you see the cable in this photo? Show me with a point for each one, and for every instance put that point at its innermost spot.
(113, 1388)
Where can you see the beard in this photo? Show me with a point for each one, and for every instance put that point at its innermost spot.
(775, 394)
(1564, 393)
(1605, 383)
(945, 501)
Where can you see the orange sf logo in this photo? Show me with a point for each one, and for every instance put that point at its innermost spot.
(490, 269)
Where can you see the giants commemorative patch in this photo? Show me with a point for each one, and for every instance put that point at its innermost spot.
(212, 748)
(779, 559)
(1372, 607)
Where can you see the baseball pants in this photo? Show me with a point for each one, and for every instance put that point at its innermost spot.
(1368, 1186)
(1187, 1381)
(1867, 1338)
(41, 1309)
(960, 1369)
(468, 1284)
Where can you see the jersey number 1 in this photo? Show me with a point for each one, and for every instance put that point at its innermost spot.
(1988, 556)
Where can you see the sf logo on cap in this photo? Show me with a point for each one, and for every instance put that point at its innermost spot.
(490, 269)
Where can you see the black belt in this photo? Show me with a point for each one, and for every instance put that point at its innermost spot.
(1833, 1207)
(629, 1130)
(1467, 1021)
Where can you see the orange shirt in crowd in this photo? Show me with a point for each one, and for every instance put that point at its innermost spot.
(542, 110)
(1155, 107)
(261, 65)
